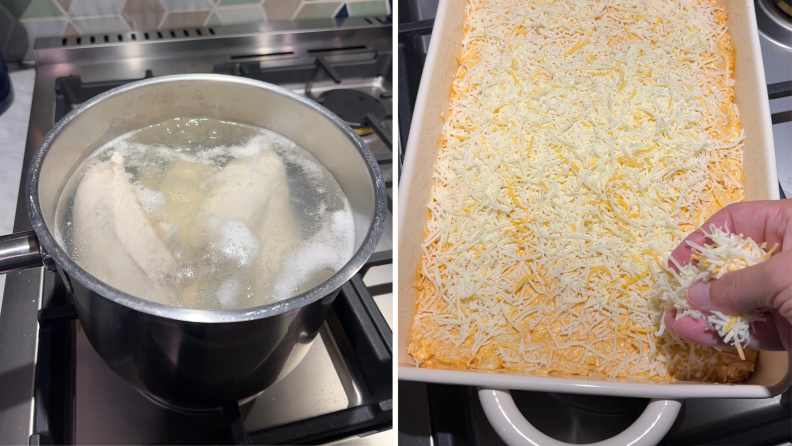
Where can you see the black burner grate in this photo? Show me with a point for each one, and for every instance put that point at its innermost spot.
(71, 91)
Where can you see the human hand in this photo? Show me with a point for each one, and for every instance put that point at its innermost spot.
(766, 285)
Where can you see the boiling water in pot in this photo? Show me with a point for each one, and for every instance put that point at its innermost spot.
(206, 214)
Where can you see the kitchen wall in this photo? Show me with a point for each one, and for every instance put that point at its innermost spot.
(29, 19)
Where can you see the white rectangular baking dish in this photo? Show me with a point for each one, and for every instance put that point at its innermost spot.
(772, 374)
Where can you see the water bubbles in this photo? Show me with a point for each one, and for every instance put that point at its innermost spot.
(237, 243)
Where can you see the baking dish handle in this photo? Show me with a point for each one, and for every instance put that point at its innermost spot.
(515, 430)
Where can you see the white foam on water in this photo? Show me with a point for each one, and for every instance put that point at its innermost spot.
(150, 200)
(228, 292)
(312, 169)
(329, 249)
(236, 242)
(251, 148)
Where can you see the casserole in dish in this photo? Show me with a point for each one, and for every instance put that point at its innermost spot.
(771, 373)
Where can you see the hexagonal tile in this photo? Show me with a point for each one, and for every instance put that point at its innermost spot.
(237, 2)
(187, 19)
(313, 10)
(95, 8)
(187, 5)
(41, 8)
(64, 4)
(280, 10)
(213, 21)
(71, 31)
(368, 8)
(100, 25)
(143, 15)
(233, 16)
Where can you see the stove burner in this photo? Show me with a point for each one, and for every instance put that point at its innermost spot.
(190, 410)
(774, 18)
(195, 410)
(352, 106)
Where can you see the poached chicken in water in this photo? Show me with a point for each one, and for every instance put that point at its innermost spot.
(206, 214)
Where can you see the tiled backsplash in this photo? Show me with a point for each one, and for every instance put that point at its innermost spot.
(52, 18)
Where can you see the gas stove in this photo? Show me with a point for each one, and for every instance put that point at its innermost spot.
(453, 415)
(56, 389)
(774, 19)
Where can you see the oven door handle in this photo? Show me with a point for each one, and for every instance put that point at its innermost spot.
(515, 430)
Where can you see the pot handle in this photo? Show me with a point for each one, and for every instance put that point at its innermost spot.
(21, 251)
(515, 430)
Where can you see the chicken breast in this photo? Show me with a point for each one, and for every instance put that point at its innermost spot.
(242, 190)
(134, 230)
(278, 232)
(109, 224)
(246, 217)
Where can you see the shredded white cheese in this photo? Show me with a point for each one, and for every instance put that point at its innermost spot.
(584, 140)
(727, 252)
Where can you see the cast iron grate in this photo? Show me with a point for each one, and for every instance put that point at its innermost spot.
(355, 323)
(71, 91)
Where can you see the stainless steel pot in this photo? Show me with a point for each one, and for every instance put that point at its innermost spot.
(184, 356)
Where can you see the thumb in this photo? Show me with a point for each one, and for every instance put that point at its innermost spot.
(766, 285)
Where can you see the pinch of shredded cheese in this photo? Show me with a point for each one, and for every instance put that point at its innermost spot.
(583, 140)
(727, 252)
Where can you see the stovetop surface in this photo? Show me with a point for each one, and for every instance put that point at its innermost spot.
(330, 387)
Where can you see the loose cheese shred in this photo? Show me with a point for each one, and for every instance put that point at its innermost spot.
(577, 47)
(727, 252)
(584, 139)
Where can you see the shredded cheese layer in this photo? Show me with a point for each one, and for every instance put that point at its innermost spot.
(584, 139)
(727, 252)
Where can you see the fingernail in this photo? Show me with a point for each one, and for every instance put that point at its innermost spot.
(699, 294)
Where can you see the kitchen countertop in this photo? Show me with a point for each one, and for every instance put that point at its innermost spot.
(13, 133)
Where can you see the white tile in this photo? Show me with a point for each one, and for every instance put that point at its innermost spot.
(83, 8)
(42, 27)
(233, 16)
(187, 5)
(13, 134)
(101, 25)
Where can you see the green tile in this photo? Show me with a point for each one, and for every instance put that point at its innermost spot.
(70, 31)
(100, 25)
(16, 7)
(41, 8)
(186, 19)
(281, 10)
(317, 11)
(187, 5)
(368, 9)
(237, 2)
(234, 16)
(214, 21)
